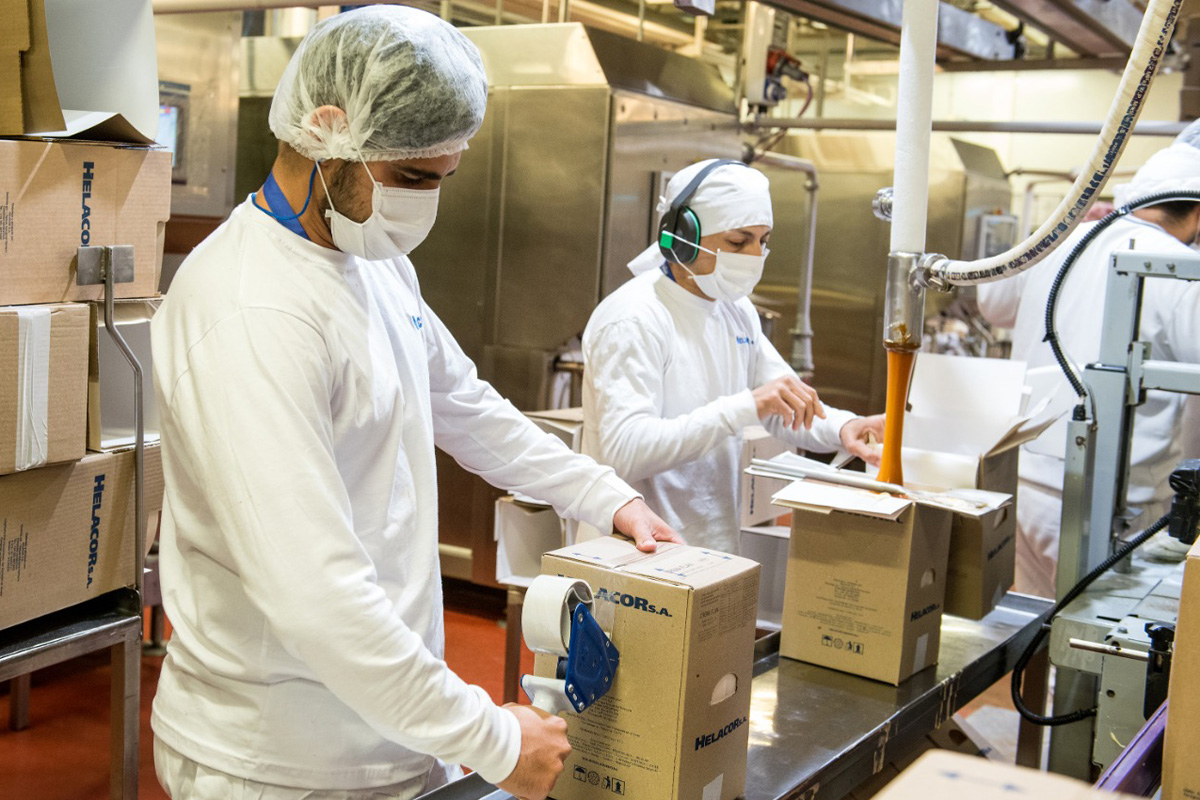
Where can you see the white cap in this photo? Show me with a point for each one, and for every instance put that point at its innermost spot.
(1174, 169)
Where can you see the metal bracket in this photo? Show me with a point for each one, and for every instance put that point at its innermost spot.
(92, 264)
(1139, 354)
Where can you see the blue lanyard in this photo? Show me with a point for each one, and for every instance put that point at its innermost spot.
(666, 270)
(280, 209)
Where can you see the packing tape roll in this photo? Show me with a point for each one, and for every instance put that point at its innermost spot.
(546, 616)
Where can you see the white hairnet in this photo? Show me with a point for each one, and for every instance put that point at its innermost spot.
(1175, 168)
(412, 86)
(731, 196)
(1190, 134)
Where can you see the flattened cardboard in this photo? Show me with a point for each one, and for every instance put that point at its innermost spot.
(110, 378)
(755, 491)
(865, 591)
(1181, 768)
(66, 393)
(57, 196)
(683, 620)
(67, 532)
(943, 775)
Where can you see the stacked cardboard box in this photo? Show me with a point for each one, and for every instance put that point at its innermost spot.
(66, 516)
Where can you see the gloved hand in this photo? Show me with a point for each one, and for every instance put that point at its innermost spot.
(1163, 547)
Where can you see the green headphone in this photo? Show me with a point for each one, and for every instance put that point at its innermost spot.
(679, 231)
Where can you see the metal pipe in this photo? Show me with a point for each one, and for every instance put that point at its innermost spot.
(1154, 128)
(564, 10)
(641, 28)
(188, 6)
(802, 333)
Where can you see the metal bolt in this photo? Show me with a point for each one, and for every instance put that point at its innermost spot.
(1079, 441)
(606, 679)
(1147, 265)
(570, 687)
(1170, 267)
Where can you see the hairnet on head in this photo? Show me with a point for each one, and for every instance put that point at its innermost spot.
(410, 84)
(1190, 135)
(731, 196)
(1173, 169)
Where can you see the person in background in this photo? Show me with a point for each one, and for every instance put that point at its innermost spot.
(676, 364)
(302, 384)
(1170, 322)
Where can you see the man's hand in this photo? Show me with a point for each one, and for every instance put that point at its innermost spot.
(638, 522)
(862, 437)
(544, 748)
(790, 398)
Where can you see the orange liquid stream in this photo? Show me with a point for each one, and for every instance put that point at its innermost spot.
(899, 374)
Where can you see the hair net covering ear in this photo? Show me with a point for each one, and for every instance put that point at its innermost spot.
(1176, 168)
(730, 197)
(410, 84)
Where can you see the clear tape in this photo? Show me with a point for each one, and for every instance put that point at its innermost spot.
(33, 387)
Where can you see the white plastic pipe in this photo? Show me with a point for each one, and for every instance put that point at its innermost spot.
(914, 116)
(1152, 39)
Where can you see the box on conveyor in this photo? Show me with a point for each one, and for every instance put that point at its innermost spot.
(866, 580)
(675, 725)
(58, 195)
(964, 431)
(942, 775)
(43, 385)
(67, 532)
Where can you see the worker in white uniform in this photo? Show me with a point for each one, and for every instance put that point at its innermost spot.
(677, 366)
(302, 385)
(1170, 322)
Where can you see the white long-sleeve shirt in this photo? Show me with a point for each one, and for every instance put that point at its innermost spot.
(301, 392)
(667, 391)
(1170, 321)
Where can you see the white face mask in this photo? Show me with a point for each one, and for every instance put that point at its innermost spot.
(734, 277)
(400, 220)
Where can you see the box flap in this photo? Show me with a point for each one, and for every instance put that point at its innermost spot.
(960, 387)
(39, 94)
(572, 415)
(812, 495)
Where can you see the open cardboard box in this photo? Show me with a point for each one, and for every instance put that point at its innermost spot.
(56, 84)
(968, 420)
(524, 532)
(866, 576)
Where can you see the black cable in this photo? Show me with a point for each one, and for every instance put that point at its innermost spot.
(1079, 588)
(1052, 302)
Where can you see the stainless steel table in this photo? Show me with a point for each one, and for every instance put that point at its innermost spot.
(817, 733)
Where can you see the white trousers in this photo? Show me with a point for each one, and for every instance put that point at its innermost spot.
(184, 779)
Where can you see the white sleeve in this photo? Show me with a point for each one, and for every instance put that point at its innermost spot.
(251, 418)
(999, 301)
(488, 436)
(625, 368)
(825, 434)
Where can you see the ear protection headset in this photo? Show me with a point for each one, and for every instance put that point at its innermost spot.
(679, 231)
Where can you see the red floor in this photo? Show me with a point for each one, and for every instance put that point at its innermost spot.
(64, 754)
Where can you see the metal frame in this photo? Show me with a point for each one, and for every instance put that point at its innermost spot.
(1097, 465)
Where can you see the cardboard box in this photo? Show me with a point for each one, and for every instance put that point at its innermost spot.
(967, 422)
(1181, 768)
(565, 423)
(43, 385)
(51, 83)
(942, 775)
(524, 533)
(110, 378)
(674, 726)
(67, 532)
(768, 545)
(866, 581)
(57, 196)
(755, 491)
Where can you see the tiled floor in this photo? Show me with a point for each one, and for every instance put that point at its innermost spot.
(64, 753)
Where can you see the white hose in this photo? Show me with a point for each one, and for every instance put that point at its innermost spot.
(914, 118)
(1152, 39)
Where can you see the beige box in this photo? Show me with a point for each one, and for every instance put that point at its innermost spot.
(58, 195)
(755, 491)
(565, 423)
(866, 581)
(942, 775)
(967, 423)
(67, 532)
(674, 726)
(43, 385)
(110, 378)
(1181, 768)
